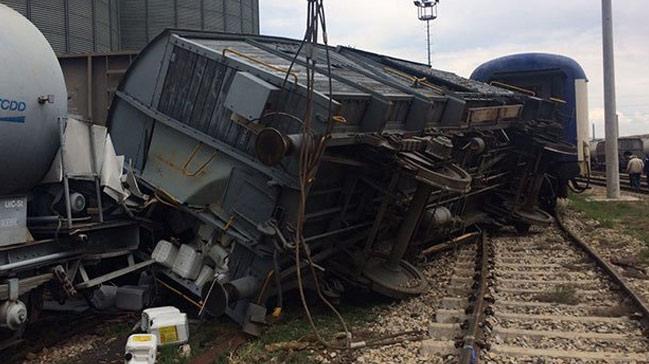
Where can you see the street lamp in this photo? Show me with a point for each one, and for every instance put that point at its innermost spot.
(427, 11)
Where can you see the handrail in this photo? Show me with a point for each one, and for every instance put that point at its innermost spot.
(191, 158)
(512, 88)
(416, 81)
(258, 61)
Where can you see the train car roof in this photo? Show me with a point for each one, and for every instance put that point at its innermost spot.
(528, 62)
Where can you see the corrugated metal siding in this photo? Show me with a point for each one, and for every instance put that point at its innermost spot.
(49, 16)
(133, 21)
(18, 5)
(247, 17)
(161, 16)
(255, 16)
(81, 27)
(74, 26)
(233, 16)
(189, 14)
(193, 94)
(112, 25)
(102, 26)
(213, 15)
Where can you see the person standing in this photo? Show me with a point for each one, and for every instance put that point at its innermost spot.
(646, 168)
(634, 168)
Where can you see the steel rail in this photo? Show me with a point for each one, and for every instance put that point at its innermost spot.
(638, 301)
(625, 185)
(471, 346)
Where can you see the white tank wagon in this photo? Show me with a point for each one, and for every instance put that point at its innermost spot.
(32, 99)
(61, 191)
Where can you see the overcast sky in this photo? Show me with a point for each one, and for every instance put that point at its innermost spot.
(470, 32)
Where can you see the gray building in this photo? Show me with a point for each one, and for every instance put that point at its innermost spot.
(96, 40)
(104, 26)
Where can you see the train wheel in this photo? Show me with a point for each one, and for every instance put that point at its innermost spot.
(34, 303)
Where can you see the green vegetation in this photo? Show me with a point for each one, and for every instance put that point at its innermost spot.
(203, 336)
(169, 355)
(294, 327)
(562, 294)
(632, 217)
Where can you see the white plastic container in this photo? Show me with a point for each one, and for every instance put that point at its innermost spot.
(206, 275)
(141, 349)
(170, 328)
(188, 262)
(165, 253)
(151, 313)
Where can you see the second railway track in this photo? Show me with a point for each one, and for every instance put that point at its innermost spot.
(599, 179)
(544, 299)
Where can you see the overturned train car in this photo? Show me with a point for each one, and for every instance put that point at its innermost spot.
(212, 126)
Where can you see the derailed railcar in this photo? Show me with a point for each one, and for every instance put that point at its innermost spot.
(212, 124)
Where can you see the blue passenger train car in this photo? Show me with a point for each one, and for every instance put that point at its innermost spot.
(547, 76)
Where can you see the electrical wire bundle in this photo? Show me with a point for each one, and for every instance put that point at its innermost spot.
(311, 151)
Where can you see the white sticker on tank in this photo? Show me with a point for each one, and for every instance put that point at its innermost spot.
(14, 204)
(10, 222)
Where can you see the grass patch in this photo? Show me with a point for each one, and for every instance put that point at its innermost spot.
(632, 217)
(562, 294)
(170, 355)
(294, 327)
(119, 330)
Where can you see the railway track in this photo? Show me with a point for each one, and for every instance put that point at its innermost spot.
(543, 298)
(599, 179)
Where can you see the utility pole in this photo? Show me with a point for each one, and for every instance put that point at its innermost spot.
(427, 11)
(430, 61)
(594, 136)
(611, 124)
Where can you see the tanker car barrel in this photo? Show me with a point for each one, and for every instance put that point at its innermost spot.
(32, 99)
(60, 187)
